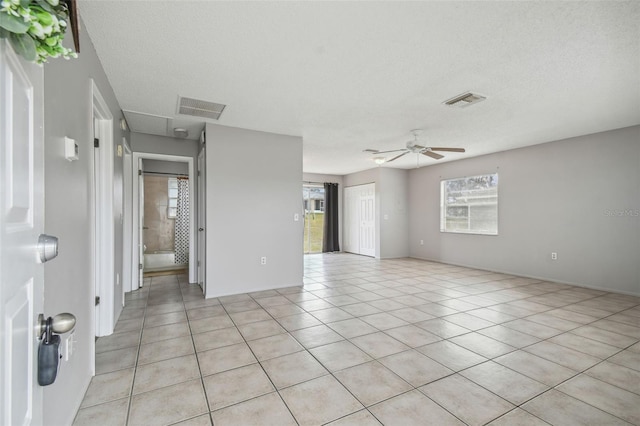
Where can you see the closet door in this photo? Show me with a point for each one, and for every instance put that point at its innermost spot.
(367, 219)
(360, 219)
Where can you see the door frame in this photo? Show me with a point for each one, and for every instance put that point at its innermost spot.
(103, 202)
(202, 214)
(135, 258)
(127, 224)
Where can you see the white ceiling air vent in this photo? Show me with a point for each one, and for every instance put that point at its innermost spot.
(198, 108)
(464, 100)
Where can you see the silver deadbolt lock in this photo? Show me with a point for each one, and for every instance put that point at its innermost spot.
(47, 247)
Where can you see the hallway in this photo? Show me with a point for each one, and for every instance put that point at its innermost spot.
(368, 341)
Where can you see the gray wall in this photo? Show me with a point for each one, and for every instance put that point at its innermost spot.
(141, 142)
(391, 209)
(177, 167)
(562, 197)
(69, 279)
(253, 191)
(394, 218)
(318, 178)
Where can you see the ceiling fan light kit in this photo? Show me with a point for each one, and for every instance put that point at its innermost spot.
(412, 147)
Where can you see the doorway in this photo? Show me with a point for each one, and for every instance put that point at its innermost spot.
(141, 163)
(313, 201)
(166, 216)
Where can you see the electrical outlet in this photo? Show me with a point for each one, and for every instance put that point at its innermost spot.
(296, 217)
(554, 256)
(263, 260)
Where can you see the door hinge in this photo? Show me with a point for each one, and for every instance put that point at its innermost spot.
(96, 143)
(139, 172)
(198, 172)
(198, 263)
(97, 300)
(140, 266)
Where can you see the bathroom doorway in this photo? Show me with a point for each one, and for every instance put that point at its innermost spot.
(170, 166)
(166, 216)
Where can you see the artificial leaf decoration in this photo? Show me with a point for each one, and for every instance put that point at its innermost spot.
(36, 28)
(24, 46)
(12, 23)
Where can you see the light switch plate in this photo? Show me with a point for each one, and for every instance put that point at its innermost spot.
(71, 149)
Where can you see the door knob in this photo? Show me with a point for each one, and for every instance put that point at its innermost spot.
(49, 355)
(200, 229)
(60, 324)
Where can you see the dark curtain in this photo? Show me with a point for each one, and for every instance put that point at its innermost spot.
(330, 235)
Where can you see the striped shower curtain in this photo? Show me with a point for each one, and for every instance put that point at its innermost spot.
(182, 223)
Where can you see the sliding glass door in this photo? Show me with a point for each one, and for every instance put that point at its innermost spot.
(313, 200)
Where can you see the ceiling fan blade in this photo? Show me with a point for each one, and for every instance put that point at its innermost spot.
(433, 155)
(393, 150)
(372, 151)
(449, 149)
(397, 156)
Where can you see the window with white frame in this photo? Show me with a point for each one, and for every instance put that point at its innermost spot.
(172, 190)
(469, 205)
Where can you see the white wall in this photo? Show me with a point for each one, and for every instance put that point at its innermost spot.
(392, 229)
(69, 281)
(555, 197)
(319, 178)
(253, 191)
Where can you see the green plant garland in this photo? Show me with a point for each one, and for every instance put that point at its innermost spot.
(35, 28)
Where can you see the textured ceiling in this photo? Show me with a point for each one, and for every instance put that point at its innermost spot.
(347, 76)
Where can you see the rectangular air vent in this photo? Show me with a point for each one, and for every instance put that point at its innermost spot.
(464, 100)
(198, 108)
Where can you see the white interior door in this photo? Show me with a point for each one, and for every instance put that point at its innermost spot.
(367, 212)
(202, 232)
(21, 222)
(98, 212)
(360, 219)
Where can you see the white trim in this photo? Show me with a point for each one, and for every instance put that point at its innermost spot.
(201, 266)
(104, 216)
(127, 216)
(137, 156)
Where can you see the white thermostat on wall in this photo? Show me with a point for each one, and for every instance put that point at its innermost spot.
(70, 149)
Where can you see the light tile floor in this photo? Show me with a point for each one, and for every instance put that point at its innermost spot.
(366, 342)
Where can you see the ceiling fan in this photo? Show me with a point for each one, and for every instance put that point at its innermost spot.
(413, 147)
